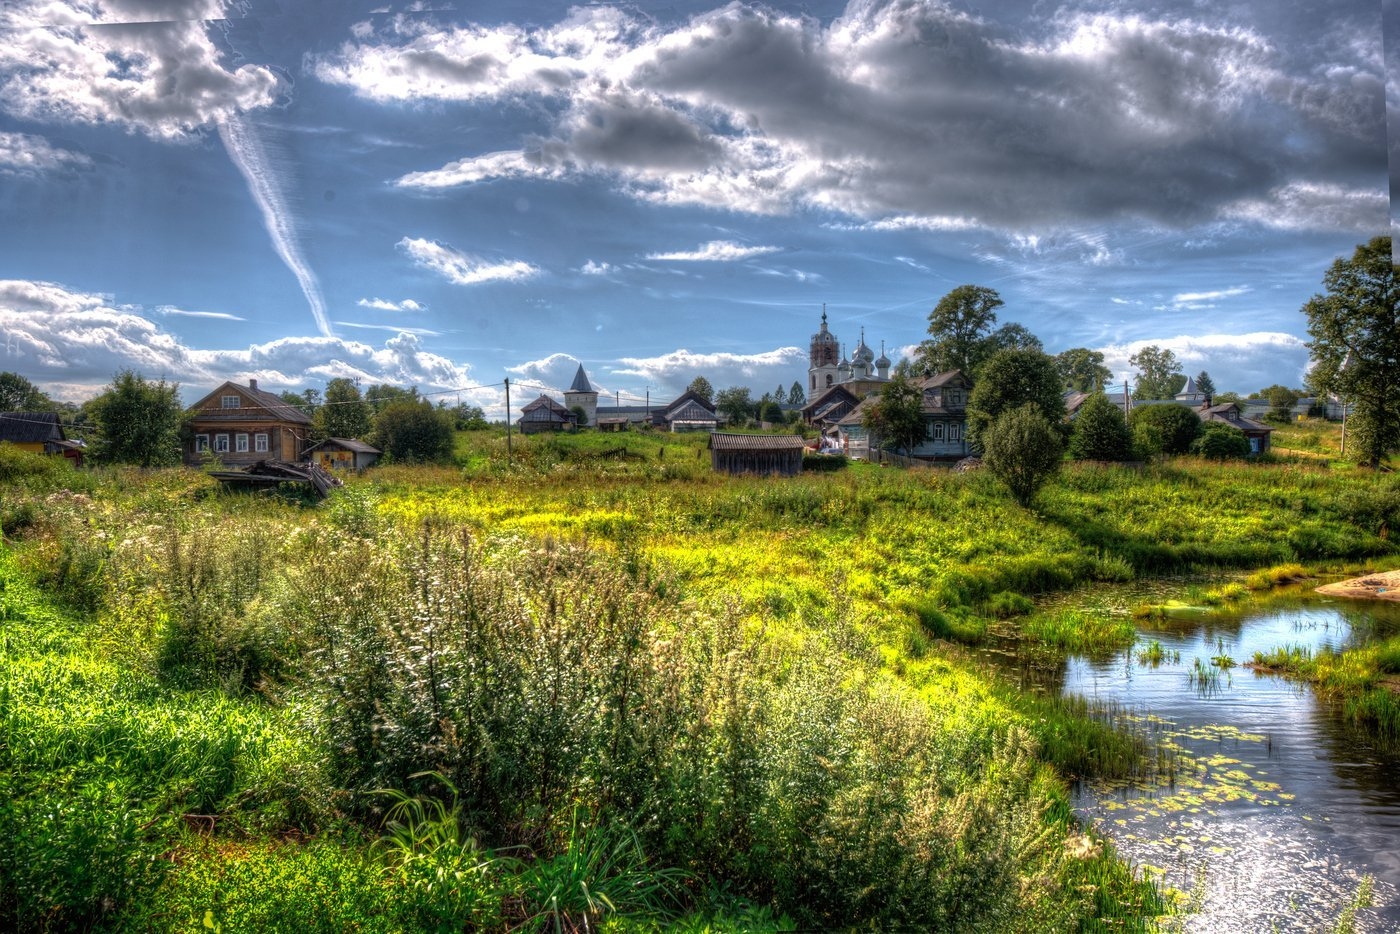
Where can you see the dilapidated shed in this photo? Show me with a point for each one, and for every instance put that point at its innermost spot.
(762, 455)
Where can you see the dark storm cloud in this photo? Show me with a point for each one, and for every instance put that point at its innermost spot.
(916, 109)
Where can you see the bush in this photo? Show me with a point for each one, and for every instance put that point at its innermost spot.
(1099, 432)
(1164, 429)
(1219, 441)
(1022, 450)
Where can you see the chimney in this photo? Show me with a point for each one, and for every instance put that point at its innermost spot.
(253, 384)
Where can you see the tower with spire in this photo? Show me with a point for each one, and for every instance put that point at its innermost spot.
(823, 361)
(582, 394)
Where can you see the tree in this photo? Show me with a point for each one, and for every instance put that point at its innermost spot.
(1012, 336)
(137, 421)
(344, 414)
(796, 397)
(469, 417)
(1082, 369)
(770, 410)
(1281, 401)
(958, 328)
(897, 415)
(1164, 429)
(1204, 384)
(1010, 379)
(734, 403)
(1100, 432)
(307, 400)
(702, 388)
(382, 394)
(1355, 330)
(1022, 449)
(1159, 373)
(413, 432)
(1225, 397)
(1219, 441)
(18, 394)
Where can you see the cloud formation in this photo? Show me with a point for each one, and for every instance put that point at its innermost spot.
(1248, 361)
(380, 304)
(149, 66)
(912, 115)
(462, 268)
(26, 155)
(77, 340)
(716, 251)
(673, 371)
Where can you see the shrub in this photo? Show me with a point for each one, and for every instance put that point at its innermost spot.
(1164, 429)
(1099, 431)
(1022, 450)
(1219, 441)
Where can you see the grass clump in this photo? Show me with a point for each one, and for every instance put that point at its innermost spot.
(1279, 574)
(1362, 681)
(1078, 631)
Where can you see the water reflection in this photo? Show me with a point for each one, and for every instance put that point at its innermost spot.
(1284, 804)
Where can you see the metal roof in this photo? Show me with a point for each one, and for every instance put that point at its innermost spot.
(581, 383)
(29, 427)
(727, 442)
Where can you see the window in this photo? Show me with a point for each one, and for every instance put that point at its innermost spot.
(828, 380)
(201, 443)
(938, 431)
(221, 444)
(231, 402)
(260, 442)
(814, 381)
(241, 443)
(955, 432)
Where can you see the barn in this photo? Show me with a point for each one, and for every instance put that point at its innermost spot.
(762, 455)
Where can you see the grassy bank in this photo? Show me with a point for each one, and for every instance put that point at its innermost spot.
(1365, 681)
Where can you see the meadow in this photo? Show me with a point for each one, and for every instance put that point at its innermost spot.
(593, 685)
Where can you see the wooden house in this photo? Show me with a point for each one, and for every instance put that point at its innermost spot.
(1230, 414)
(762, 455)
(689, 412)
(545, 414)
(342, 454)
(39, 432)
(244, 424)
(830, 406)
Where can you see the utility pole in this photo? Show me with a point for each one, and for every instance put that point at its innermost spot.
(1127, 405)
(507, 422)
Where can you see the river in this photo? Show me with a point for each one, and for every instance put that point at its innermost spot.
(1280, 807)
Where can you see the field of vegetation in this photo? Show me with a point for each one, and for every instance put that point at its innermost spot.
(593, 686)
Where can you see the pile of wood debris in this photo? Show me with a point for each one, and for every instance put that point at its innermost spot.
(271, 473)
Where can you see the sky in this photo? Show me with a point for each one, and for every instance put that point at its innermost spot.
(451, 195)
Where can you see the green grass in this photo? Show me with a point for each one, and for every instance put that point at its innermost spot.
(664, 697)
(1362, 681)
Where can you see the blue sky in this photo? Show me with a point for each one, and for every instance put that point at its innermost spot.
(450, 196)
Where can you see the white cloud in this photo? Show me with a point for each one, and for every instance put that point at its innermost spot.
(673, 371)
(25, 155)
(1236, 362)
(182, 313)
(1185, 298)
(592, 268)
(462, 268)
(716, 251)
(147, 67)
(58, 336)
(552, 374)
(906, 114)
(380, 304)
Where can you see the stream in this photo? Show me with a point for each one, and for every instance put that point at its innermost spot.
(1280, 807)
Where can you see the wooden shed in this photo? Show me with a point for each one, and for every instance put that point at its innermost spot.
(342, 454)
(762, 455)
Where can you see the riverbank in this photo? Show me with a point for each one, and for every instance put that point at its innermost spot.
(1384, 585)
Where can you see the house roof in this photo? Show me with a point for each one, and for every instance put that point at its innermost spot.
(728, 442)
(275, 406)
(692, 411)
(580, 383)
(946, 378)
(828, 397)
(30, 427)
(688, 397)
(545, 409)
(349, 444)
(1221, 413)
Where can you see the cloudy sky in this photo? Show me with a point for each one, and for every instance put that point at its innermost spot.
(450, 195)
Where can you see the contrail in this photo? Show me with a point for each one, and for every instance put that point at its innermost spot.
(246, 151)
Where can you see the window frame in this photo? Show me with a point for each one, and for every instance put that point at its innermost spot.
(201, 443)
(240, 442)
(261, 443)
(221, 443)
(938, 432)
(225, 400)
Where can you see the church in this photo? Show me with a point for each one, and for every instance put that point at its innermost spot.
(836, 385)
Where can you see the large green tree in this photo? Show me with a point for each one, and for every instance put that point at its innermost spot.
(137, 422)
(1100, 432)
(702, 388)
(1022, 449)
(958, 329)
(344, 413)
(897, 415)
(1010, 379)
(413, 432)
(1159, 373)
(735, 403)
(795, 396)
(18, 394)
(1205, 384)
(1281, 401)
(1355, 330)
(1082, 369)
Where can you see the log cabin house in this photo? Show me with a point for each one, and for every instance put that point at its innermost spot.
(242, 425)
